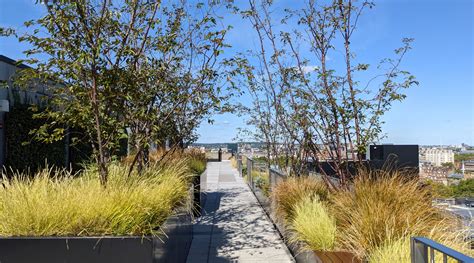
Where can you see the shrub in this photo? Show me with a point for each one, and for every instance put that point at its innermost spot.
(385, 206)
(262, 181)
(288, 193)
(313, 225)
(50, 205)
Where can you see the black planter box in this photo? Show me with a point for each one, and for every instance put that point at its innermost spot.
(171, 248)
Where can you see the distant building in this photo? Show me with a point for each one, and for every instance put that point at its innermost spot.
(467, 167)
(456, 176)
(438, 174)
(437, 156)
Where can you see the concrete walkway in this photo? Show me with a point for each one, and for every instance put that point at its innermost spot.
(233, 227)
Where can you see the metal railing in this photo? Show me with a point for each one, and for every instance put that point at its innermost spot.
(276, 176)
(423, 251)
(239, 165)
(249, 172)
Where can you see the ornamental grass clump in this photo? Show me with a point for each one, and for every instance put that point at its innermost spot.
(197, 166)
(233, 162)
(292, 191)
(313, 226)
(399, 250)
(383, 207)
(59, 204)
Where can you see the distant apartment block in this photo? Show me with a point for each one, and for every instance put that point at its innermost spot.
(434, 173)
(436, 156)
(467, 167)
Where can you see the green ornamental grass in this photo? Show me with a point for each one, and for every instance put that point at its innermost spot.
(62, 205)
(399, 250)
(314, 226)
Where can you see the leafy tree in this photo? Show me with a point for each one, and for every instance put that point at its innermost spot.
(440, 190)
(303, 100)
(463, 157)
(145, 66)
(178, 80)
(465, 188)
(448, 165)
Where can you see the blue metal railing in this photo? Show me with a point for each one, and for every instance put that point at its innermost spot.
(423, 251)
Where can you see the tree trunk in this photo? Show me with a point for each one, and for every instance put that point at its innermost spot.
(101, 160)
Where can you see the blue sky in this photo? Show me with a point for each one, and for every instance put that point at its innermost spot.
(439, 111)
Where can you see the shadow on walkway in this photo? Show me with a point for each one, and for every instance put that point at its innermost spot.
(232, 230)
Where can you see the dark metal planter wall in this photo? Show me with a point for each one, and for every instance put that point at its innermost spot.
(173, 248)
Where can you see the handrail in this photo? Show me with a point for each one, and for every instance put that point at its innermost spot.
(277, 171)
(275, 175)
(249, 172)
(419, 251)
(251, 164)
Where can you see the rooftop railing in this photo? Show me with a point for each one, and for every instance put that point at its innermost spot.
(423, 251)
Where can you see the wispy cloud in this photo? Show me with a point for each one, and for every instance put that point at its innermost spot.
(309, 68)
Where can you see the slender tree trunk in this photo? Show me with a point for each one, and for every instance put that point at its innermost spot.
(340, 172)
(101, 160)
(346, 18)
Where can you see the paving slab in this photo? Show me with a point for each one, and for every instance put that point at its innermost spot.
(233, 227)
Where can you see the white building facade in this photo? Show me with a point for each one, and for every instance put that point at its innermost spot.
(437, 156)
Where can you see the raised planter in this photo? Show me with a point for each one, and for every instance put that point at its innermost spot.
(171, 248)
(300, 255)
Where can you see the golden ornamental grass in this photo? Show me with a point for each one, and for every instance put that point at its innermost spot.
(384, 207)
(48, 205)
(293, 190)
(233, 162)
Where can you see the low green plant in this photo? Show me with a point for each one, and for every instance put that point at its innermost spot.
(262, 181)
(56, 203)
(290, 192)
(313, 226)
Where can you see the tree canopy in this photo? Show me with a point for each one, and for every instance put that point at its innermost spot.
(149, 71)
